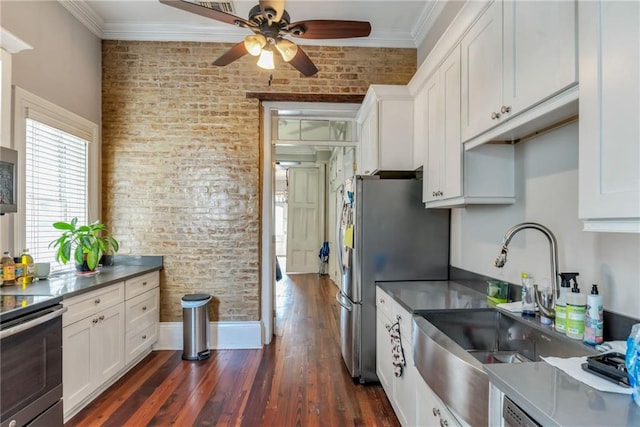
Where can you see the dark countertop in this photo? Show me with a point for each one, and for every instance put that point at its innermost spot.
(19, 300)
(546, 393)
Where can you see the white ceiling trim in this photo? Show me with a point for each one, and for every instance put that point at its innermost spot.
(133, 31)
(84, 13)
(427, 20)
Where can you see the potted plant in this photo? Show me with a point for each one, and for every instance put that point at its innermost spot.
(86, 241)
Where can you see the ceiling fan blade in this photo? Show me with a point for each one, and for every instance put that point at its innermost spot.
(236, 52)
(276, 5)
(329, 29)
(303, 63)
(207, 12)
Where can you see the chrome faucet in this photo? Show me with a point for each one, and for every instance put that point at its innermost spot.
(501, 260)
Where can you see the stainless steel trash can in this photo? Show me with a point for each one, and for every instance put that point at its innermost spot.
(195, 326)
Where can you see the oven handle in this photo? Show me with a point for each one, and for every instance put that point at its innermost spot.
(32, 323)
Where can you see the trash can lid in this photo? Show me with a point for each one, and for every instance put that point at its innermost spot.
(196, 297)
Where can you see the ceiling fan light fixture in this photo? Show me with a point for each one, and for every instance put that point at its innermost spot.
(254, 44)
(287, 49)
(266, 59)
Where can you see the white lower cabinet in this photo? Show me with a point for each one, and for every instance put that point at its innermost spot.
(105, 333)
(93, 350)
(430, 410)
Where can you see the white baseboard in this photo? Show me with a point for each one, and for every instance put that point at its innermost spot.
(223, 335)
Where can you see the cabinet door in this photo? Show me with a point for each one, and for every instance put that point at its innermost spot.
(405, 386)
(77, 376)
(539, 51)
(108, 343)
(419, 129)
(451, 170)
(369, 143)
(384, 367)
(435, 144)
(609, 171)
(482, 72)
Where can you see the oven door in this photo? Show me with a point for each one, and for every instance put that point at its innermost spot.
(31, 366)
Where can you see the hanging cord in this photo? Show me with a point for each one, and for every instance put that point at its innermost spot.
(397, 351)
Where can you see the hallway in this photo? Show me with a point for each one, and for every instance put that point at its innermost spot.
(298, 380)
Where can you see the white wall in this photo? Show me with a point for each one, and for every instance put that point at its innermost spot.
(547, 192)
(64, 66)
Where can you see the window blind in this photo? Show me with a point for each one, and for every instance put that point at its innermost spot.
(56, 186)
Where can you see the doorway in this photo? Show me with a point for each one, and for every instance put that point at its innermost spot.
(287, 147)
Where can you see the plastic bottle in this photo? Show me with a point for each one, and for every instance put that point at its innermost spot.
(561, 303)
(28, 267)
(528, 301)
(8, 269)
(632, 362)
(576, 307)
(547, 298)
(594, 318)
(17, 261)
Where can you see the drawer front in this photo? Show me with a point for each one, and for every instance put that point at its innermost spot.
(88, 304)
(142, 310)
(141, 284)
(384, 302)
(139, 342)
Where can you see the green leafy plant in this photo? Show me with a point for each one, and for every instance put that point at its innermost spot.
(86, 241)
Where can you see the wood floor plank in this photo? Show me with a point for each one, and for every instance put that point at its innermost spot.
(297, 380)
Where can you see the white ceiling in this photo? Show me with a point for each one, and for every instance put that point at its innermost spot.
(395, 23)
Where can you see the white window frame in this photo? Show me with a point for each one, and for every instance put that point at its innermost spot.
(28, 105)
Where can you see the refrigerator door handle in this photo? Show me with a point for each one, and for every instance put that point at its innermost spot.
(341, 300)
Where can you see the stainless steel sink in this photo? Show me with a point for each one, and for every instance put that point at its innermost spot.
(451, 346)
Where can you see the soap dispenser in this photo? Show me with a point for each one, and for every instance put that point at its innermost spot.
(576, 307)
(594, 319)
(561, 303)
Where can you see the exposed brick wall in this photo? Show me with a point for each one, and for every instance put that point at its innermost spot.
(181, 157)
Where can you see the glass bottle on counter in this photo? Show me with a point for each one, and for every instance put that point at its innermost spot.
(8, 269)
(28, 267)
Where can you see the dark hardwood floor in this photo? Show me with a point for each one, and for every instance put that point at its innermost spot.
(297, 380)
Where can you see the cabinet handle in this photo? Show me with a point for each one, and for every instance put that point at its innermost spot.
(436, 412)
(144, 337)
(145, 283)
(144, 308)
(101, 318)
(495, 116)
(94, 321)
(443, 422)
(505, 109)
(97, 301)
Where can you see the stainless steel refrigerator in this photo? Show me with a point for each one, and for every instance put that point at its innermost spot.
(386, 234)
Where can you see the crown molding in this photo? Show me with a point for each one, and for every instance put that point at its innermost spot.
(12, 44)
(84, 13)
(427, 20)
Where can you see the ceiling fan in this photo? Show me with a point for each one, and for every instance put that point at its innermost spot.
(270, 23)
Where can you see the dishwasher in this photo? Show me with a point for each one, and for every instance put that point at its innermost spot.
(514, 416)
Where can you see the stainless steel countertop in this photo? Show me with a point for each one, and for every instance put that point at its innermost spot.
(434, 295)
(554, 398)
(547, 394)
(69, 284)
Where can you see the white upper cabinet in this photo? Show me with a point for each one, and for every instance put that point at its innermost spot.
(385, 123)
(609, 129)
(516, 55)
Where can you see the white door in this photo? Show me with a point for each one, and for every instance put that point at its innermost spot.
(303, 220)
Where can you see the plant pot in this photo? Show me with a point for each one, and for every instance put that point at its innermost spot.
(83, 268)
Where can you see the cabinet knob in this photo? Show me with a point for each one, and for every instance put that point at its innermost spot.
(495, 116)
(505, 109)
(434, 194)
(436, 412)
(94, 321)
(443, 422)
(144, 308)
(144, 337)
(381, 300)
(145, 283)
(97, 301)
(101, 318)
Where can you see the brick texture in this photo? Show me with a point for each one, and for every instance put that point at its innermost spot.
(181, 157)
